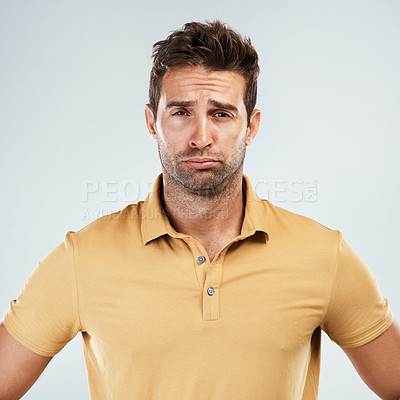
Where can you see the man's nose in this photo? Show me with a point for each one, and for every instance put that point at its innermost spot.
(201, 135)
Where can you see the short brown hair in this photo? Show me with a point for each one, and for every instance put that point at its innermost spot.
(212, 45)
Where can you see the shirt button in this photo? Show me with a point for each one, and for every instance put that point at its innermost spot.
(201, 259)
(210, 291)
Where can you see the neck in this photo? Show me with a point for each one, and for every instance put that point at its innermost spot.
(205, 218)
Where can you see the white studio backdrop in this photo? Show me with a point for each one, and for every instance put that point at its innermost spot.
(74, 146)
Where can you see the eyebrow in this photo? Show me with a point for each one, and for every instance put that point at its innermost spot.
(214, 103)
(224, 106)
(180, 103)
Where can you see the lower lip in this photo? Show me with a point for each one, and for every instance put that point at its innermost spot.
(201, 165)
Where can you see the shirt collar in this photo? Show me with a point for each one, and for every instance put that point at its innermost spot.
(155, 223)
(256, 211)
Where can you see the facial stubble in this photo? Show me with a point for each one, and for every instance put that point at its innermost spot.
(208, 182)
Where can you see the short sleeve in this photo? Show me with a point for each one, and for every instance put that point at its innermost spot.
(44, 317)
(357, 312)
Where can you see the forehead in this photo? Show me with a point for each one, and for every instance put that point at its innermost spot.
(196, 82)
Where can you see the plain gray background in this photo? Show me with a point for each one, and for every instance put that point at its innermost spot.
(73, 84)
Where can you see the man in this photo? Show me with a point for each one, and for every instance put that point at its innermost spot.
(202, 291)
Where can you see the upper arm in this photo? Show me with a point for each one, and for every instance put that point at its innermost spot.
(19, 366)
(40, 321)
(378, 363)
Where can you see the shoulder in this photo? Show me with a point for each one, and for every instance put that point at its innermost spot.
(109, 228)
(297, 228)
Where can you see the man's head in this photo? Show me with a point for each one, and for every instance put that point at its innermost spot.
(198, 112)
(212, 46)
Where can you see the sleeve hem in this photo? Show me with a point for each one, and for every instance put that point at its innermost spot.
(14, 332)
(368, 335)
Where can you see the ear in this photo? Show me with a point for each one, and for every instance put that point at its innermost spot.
(254, 124)
(150, 121)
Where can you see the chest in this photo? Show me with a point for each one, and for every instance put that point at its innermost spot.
(262, 301)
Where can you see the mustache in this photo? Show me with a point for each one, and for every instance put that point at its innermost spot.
(199, 153)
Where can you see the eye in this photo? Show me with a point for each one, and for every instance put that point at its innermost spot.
(221, 114)
(180, 112)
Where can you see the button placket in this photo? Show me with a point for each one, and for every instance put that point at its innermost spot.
(210, 303)
(209, 277)
(201, 267)
(211, 290)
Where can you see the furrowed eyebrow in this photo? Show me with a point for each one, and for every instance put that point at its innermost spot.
(178, 103)
(225, 106)
(214, 103)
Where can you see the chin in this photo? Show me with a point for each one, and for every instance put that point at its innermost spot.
(206, 185)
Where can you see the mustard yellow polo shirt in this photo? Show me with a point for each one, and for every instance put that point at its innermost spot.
(159, 321)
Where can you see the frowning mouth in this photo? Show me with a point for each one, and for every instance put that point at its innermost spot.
(200, 162)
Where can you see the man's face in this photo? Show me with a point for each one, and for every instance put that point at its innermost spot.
(201, 127)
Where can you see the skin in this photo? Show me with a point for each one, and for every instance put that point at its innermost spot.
(378, 363)
(19, 367)
(205, 200)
